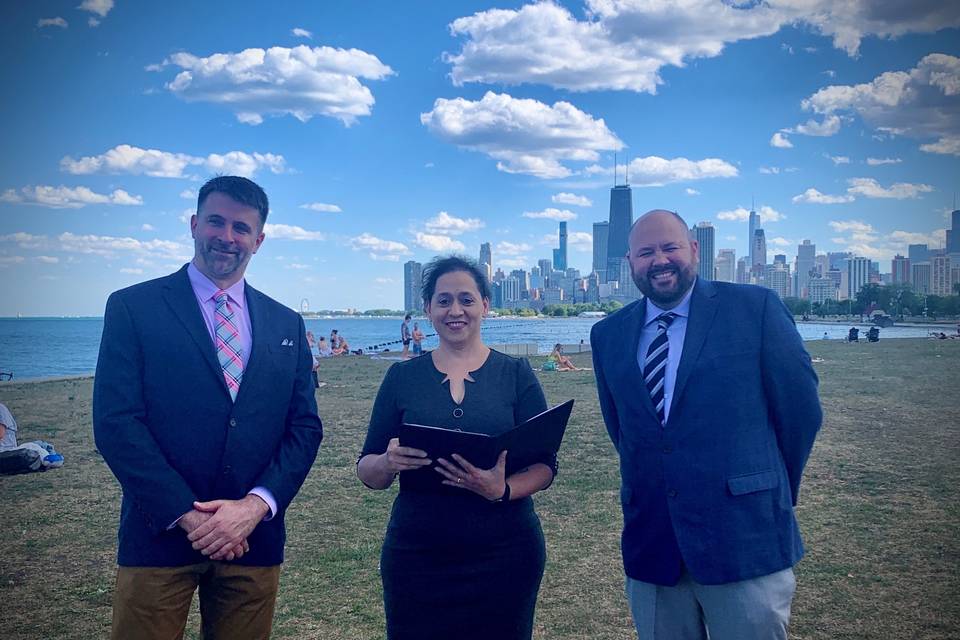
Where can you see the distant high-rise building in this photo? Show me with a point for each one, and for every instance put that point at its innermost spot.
(499, 275)
(536, 278)
(600, 232)
(725, 268)
(412, 282)
(780, 258)
(511, 290)
(920, 276)
(546, 270)
(778, 277)
(918, 253)
(754, 222)
(743, 271)
(838, 260)
(621, 219)
(940, 276)
(819, 290)
(524, 279)
(900, 269)
(822, 264)
(704, 234)
(560, 255)
(486, 258)
(628, 287)
(953, 233)
(858, 275)
(759, 247)
(806, 256)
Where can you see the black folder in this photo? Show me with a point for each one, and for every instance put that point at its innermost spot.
(526, 443)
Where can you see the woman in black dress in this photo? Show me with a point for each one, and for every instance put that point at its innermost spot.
(465, 559)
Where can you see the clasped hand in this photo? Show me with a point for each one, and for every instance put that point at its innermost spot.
(489, 483)
(220, 528)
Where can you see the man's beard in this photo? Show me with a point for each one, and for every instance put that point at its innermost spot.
(685, 278)
(221, 265)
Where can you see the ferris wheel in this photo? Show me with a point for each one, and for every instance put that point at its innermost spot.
(304, 305)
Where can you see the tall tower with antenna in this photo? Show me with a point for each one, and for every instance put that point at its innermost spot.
(618, 228)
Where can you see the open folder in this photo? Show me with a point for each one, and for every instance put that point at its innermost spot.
(529, 442)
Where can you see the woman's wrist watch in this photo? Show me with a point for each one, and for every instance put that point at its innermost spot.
(506, 494)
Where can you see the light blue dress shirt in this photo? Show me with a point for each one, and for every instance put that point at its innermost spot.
(676, 332)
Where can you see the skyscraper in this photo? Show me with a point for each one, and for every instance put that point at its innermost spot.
(918, 253)
(758, 246)
(621, 218)
(940, 276)
(486, 258)
(953, 233)
(628, 287)
(751, 251)
(412, 276)
(806, 260)
(920, 277)
(560, 255)
(858, 274)
(725, 269)
(704, 234)
(900, 269)
(600, 231)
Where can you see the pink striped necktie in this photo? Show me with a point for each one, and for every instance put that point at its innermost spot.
(228, 344)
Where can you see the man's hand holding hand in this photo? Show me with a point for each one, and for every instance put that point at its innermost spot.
(193, 519)
(228, 524)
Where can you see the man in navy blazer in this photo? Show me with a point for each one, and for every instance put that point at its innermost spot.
(711, 401)
(204, 409)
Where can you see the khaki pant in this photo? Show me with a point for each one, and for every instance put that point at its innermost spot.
(236, 602)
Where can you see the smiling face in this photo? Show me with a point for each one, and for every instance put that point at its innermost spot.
(663, 258)
(457, 308)
(225, 235)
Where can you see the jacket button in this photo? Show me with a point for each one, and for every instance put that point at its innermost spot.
(672, 493)
(233, 422)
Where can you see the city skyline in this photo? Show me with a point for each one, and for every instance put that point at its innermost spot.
(377, 148)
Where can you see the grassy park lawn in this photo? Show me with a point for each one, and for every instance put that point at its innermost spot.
(878, 511)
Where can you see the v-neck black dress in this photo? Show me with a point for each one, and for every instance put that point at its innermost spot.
(453, 564)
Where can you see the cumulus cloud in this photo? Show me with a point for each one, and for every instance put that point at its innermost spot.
(520, 262)
(98, 7)
(873, 162)
(922, 103)
(872, 189)
(379, 249)
(125, 158)
(580, 241)
(112, 246)
(523, 135)
(301, 33)
(780, 141)
(780, 241)
(322, 207)
(48, 259)
(52, 22)
(571, 199)
(301, 81)
(742, 214)
(290, 232)
(624, 44)
(815, 197)
(67, 197)
(551, 214)
(505, 248)
(854, 226)
(438, 243)
(147, 227)
(445, 224)
(691, 192)
(829, 127)
(837, 160)
(654, 171)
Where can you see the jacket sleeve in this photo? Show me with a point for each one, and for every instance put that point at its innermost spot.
(790, 386)
(157, 491)
(291, 462)
(607, 406)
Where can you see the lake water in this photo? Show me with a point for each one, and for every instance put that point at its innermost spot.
(41, 347)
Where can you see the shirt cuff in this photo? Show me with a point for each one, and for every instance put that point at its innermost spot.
(264, 494)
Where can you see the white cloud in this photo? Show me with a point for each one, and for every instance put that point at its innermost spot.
(624, 44)
(111, 246)
(520, 262)
(770, 170)
(93, 22)
(296, 265)
(580, 241)
(872, 189)
(780, 241)
(125, 158)
(873, 162)
(505, 248)
(131, 270)
(654, 171)
(290, 232)
(99, 7)
(189, 194)
(780, 141)
(301, 81)
(48, 259)
(691, 192)
(813, 196)
(382, 280)
(322, 207)
(52, 22)
(523, 135)
(571, 199)
(551, 214)
(829, 127)
(842, 226)
(860, 234)
(25, 240)
(147, 227)
(379, 249)
(185, 215)
(438, 243)
(923, 102)
(301, 33)
(8, 260)
(446, 224)
(741, 214)
(67, 197)
(837, 160)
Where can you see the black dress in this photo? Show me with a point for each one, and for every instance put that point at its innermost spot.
(453, 564)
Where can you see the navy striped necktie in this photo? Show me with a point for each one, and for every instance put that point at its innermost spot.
(655, 364)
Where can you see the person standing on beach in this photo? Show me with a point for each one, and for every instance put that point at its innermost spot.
(204, 409)
(711, 402)
(417, 337)
(405, 336)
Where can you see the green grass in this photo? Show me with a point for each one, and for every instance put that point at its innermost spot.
(877, 509)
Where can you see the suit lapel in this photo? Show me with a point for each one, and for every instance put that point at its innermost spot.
(703, 308)
(636, 329)
(259, 328)
(182, 300)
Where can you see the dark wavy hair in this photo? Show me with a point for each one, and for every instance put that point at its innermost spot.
(244, 191)
(447, 264)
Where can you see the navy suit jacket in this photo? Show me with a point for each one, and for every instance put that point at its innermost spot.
(714, 489)
(165, 424)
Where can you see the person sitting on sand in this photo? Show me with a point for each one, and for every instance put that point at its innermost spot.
(30, 456)
(323, 348)
(563, 362)
(342, 348)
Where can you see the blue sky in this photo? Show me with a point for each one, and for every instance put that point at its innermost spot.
(387, 131)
